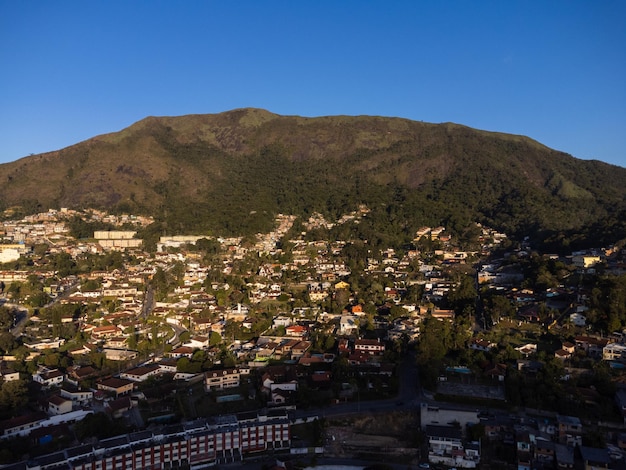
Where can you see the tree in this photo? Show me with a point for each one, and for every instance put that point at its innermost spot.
(7, 316)
(183, 364)
(463, 297)
(13, 395)
(98, 425)
(7, 342)
(215, 338)
(63, 264)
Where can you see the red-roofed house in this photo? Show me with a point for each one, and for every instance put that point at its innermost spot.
(298, 331)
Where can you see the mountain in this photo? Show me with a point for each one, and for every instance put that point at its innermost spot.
(230, 172)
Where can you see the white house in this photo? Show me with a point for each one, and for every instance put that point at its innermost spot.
(281, 320)
(578, 319)
(77, 395)
(57, 405)
(222, 379)
(348, 325)
(613, 352)
(48, 377)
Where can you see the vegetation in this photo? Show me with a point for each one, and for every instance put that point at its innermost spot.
(231, 173)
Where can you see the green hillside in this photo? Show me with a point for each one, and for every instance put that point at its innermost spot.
(229, 173)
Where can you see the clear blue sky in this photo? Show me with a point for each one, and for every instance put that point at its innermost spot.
(554, 71)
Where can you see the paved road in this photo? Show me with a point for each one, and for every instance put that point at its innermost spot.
(21, 317)
(148, 301)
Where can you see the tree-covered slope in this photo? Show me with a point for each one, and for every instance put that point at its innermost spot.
(231, 172)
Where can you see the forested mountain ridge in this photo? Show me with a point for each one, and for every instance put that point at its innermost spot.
(230, 172)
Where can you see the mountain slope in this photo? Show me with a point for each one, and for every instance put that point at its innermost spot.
(231, 172)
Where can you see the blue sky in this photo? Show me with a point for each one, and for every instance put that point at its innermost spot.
(554, 71)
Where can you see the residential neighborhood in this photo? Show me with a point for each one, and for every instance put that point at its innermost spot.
(203, 342)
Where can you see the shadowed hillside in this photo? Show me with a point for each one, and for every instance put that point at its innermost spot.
(230, 172)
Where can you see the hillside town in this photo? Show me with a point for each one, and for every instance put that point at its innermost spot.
(200, 350)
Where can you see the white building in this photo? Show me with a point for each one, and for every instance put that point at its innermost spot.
(614, 352)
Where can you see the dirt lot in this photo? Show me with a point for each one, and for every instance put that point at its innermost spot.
(393, 435)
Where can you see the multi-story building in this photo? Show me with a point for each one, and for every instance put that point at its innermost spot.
(570, 430)
(614, 352)
(221, 379)
(446, 446)
(192, 445)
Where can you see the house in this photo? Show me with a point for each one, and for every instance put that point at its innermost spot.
(445, 446)
(281, 320)
(578, 319)
(544, 453)
(107, 331)
(369, 346)
(182, 351)
(48, 377)
(614, 352)
(496, 371)
(221, 379)
(595, 459)
(116, 386)
(281, 395)
(343, 346)
(309, 359)
(348, 325)
(523, 448)
(585, 261)
(564, 456)
(320, 379)
(591, 345)
(117, 342)
(278, 376)
(496, 427)
(570, 430)
(198, 342)
(139, 374)
(357, 310)
(78, 396)
(562, 354)
(299, 349)
(167, 365)
(358, 358)
(529, 314)
(527, 349)
(443, 439)
(297, 331)
(284, 390)
(113, 354)
(202, 325)
(481, 345)
(566, 351)
(7, 375)
(119, 406)
(21, 425)
(443, 314)
(43, 344)
(57, 405)
(82, 372)
(286, 346)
